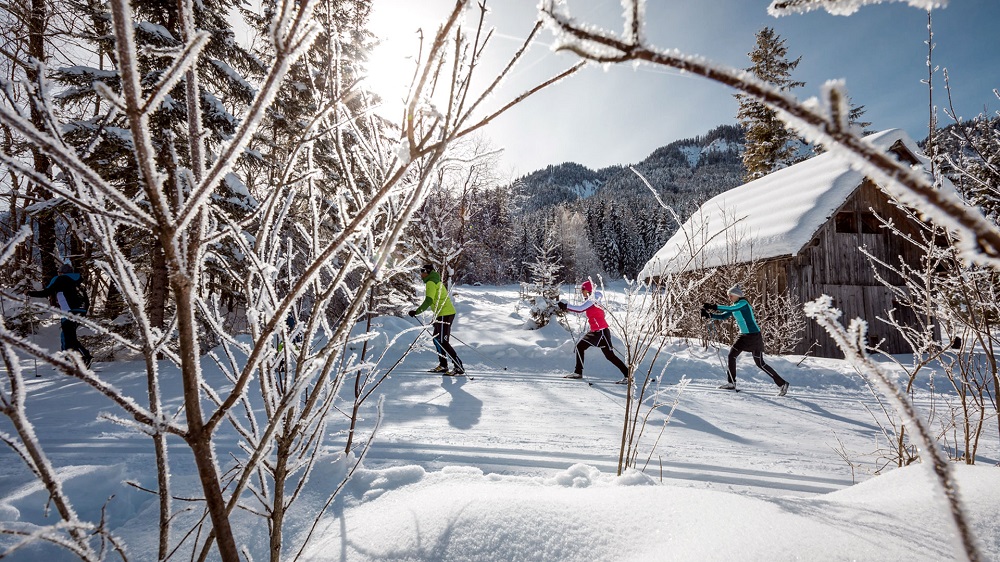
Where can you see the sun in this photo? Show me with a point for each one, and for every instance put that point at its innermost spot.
(391, 64)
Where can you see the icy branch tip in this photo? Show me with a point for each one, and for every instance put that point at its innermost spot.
(822, 306)
(841, 7)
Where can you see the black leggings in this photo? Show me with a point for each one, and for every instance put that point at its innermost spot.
(600, 339)
(754, 343)
(69, 340)
(442, 341)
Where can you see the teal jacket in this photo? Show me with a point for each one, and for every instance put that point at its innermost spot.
(742, 312)
(437, 296)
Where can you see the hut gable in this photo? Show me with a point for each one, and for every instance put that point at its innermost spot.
(775, 216)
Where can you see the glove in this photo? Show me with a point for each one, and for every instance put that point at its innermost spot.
(705, 314)
(709, 306)
(562, 306)
(412, 313)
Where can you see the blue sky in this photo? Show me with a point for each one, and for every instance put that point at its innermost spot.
(620, 114)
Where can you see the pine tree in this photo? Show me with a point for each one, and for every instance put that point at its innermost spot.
(769, 145)
(599, 222)
(545, 278)
(855, 116)
(100, 133)
(977, 160)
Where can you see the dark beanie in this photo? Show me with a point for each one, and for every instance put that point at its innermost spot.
(427, 268)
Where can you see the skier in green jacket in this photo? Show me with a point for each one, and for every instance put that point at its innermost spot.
(749, 340)
(440, 304)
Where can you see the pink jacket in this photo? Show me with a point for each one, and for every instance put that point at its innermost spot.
(595, 314)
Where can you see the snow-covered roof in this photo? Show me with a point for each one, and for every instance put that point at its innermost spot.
(773, 216)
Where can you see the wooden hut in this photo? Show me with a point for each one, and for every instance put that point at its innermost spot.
(804, 226)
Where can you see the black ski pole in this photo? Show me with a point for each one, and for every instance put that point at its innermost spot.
(31, 330)
(576, 343)
(438, 352)
(479, 353)
(712, 335)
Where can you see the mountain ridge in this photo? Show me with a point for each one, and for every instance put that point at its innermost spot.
(689, 165)
(625, 218)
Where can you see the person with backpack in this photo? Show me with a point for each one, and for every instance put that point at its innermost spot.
(69, 292)
(750, 338)
(437, 300)
(599, 335)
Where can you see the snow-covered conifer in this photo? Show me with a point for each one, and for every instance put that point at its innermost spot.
(769, 144)
(545, 272)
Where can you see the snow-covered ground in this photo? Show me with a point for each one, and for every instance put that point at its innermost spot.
(517, 463)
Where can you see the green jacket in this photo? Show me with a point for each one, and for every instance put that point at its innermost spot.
(437, 296)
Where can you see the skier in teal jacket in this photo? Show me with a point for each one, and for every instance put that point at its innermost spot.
(438, 301)
(749, 340)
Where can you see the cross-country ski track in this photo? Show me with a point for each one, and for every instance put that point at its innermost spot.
(530, 423)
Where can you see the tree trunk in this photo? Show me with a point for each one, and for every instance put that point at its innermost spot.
(22, 255)
(42, 163)
(199, 437)
(156, 305)
(280, 476)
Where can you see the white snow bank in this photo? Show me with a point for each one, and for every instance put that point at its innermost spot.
(581, 514)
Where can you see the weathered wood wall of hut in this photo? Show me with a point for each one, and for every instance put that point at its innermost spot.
(833, 264)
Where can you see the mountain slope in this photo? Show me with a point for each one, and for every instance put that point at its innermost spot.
(626, 223)
(700, 166)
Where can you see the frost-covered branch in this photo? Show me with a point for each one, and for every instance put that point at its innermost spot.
(292, 39)
(68, 160)
(68, 365)
(175, 72)
(83, 202)
(12, 405)
(841, 7)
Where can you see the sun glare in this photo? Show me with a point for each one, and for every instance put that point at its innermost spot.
(392, 62)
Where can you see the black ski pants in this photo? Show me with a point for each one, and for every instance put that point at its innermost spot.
(69, 340)
(600, 339)
(442, 341)
(754, 343)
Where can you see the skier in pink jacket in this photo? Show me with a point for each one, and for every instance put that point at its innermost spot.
(599, 335)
